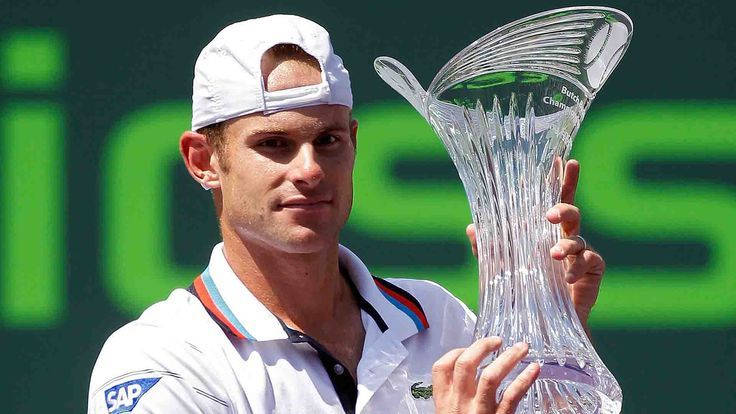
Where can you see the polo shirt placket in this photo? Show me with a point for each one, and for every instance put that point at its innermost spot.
(382, 351)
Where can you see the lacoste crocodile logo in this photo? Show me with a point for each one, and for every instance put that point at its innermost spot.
(421, 392)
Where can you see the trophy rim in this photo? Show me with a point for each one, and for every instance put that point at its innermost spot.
(432, 91)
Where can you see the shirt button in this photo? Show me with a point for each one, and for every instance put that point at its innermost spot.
(338, 369)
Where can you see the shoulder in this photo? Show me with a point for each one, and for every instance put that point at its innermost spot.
(165, 354)
(443, 309)
(178, 324)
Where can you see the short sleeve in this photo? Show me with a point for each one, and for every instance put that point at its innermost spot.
(141, 369)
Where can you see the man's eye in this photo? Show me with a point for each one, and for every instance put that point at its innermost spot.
(273, 143)
(326, 140)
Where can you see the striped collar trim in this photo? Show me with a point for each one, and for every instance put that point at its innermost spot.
(237, 311)
(401, 310)
(404, 301)
(206, 291)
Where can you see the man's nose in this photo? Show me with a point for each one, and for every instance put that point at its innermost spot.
(306, 169)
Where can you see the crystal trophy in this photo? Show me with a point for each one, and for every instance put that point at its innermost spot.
(507, 108)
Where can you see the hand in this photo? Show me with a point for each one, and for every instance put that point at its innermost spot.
(583, 266)
(456, 390)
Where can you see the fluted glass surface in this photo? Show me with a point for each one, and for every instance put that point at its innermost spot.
(507, 108)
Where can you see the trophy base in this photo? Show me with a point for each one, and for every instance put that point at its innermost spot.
(562, 389)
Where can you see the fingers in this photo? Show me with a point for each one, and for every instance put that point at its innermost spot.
(470, 232)
(588, 263)
(567, 215)
(567, 247)
(466, 365)
(581, 261)
(570, 182)
(517, 389)
(442, 373)
(454, 381)
(494, 373)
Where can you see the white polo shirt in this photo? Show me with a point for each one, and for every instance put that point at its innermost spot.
(214, 348)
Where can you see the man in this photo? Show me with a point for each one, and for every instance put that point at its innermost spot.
(284, 319)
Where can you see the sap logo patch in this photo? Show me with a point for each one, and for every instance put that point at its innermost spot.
(122, 398)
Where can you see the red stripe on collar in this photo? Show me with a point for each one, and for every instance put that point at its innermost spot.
(404, 297)
(206, 299)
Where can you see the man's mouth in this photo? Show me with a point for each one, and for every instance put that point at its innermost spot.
(305, 202)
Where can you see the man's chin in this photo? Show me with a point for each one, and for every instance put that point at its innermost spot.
(306, 240)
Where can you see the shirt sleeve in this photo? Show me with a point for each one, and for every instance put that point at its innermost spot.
(142, 370)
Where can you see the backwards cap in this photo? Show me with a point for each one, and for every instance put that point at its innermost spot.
(227, 76)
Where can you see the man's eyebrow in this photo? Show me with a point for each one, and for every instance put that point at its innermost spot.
(333, 127)
(267, 131)
(337, 126)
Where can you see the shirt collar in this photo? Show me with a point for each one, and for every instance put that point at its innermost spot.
(238, 311)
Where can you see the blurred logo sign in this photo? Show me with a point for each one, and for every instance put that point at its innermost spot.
(657, 188)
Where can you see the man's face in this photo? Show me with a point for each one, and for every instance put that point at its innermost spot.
(288, 183)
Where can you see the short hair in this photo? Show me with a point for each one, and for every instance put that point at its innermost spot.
(288, 51)
(215, 133)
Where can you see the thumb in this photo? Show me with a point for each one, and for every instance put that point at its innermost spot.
(470, 232)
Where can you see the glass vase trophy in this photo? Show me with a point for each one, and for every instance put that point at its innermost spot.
(507, 109)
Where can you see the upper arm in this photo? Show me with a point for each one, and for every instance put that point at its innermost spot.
(140, 370)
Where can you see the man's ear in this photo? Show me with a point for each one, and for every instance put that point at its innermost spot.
(200, 159)
(354, 133)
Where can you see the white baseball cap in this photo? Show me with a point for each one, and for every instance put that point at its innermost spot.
(227, 76)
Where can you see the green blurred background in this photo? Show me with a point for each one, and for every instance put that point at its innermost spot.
(98, 218)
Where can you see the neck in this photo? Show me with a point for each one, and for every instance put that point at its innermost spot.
(302, 289)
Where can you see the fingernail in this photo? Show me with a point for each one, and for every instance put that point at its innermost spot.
(532, 368)
(521, 346)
